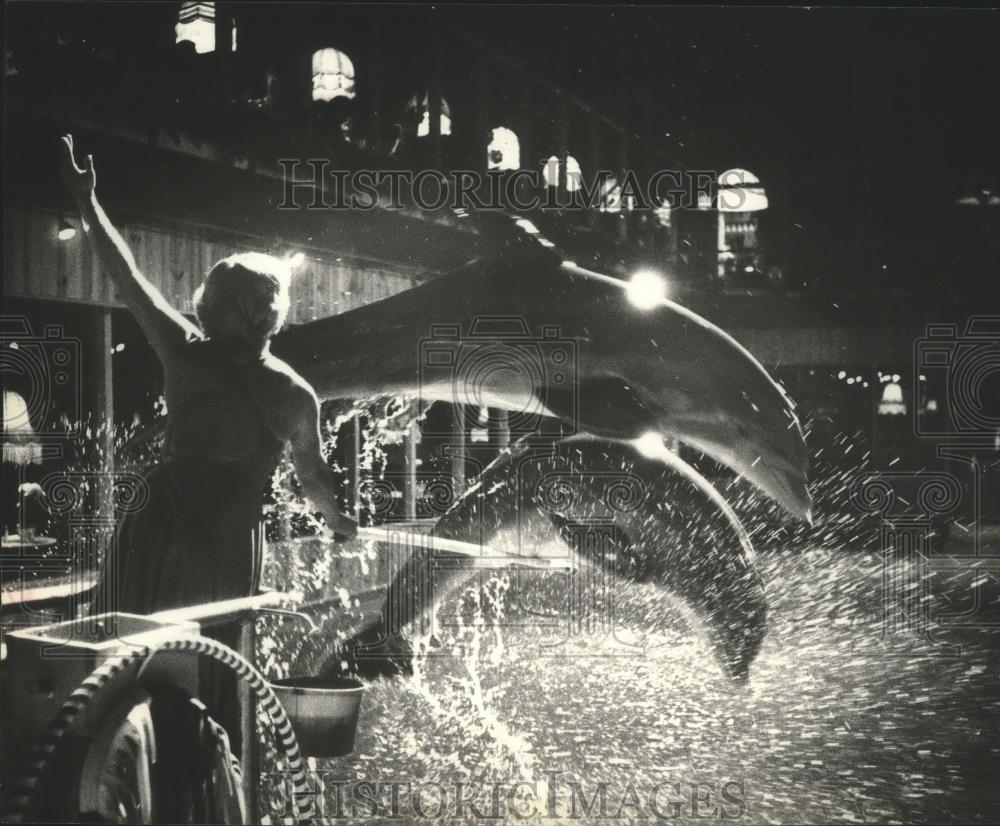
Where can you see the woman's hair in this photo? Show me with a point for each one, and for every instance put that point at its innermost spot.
(243, 300)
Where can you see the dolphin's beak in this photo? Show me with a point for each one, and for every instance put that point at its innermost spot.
(678, 375)
(746, 419)
(729, 407)
(767, 463)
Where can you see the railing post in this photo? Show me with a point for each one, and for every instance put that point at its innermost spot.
(499, 429)
(356, 466)
(250, 757)
(459, 447)
(410, 442)
(104, 410)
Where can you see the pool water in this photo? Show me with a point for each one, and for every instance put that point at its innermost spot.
(852, 715)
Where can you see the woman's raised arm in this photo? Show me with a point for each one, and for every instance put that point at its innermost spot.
(165, 327)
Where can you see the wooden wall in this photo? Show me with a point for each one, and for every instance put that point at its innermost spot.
(38, 265)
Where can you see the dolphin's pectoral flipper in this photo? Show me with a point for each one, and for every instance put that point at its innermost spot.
(662, 525)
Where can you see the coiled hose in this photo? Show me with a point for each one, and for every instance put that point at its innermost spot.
(91, 687)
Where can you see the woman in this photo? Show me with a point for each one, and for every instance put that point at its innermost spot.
(232, 408)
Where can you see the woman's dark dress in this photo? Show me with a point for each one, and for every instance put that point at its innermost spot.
(199, 537)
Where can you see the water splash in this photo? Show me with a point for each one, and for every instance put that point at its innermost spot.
(843, 720)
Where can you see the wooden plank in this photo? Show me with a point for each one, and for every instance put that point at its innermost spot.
(227, 609)
(176, 261)
(46, 589)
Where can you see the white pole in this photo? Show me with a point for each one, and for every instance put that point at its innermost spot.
(484, 555)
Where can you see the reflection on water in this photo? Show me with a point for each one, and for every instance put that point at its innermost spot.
(840, 723)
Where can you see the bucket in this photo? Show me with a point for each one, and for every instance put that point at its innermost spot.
(323, 712)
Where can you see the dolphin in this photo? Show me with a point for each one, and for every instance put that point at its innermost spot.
(624, 515)
(601, 379)
(541, 337)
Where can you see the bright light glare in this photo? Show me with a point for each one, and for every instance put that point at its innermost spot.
(504, 151)
(297, 260)
(550, 172)
(333, 76)
(646, 289)
(66, 232)
(892, 403)
(740, 191)
(650, 445)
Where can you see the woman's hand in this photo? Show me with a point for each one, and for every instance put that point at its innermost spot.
(29, 489)
(32, 490)
(80, 182)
